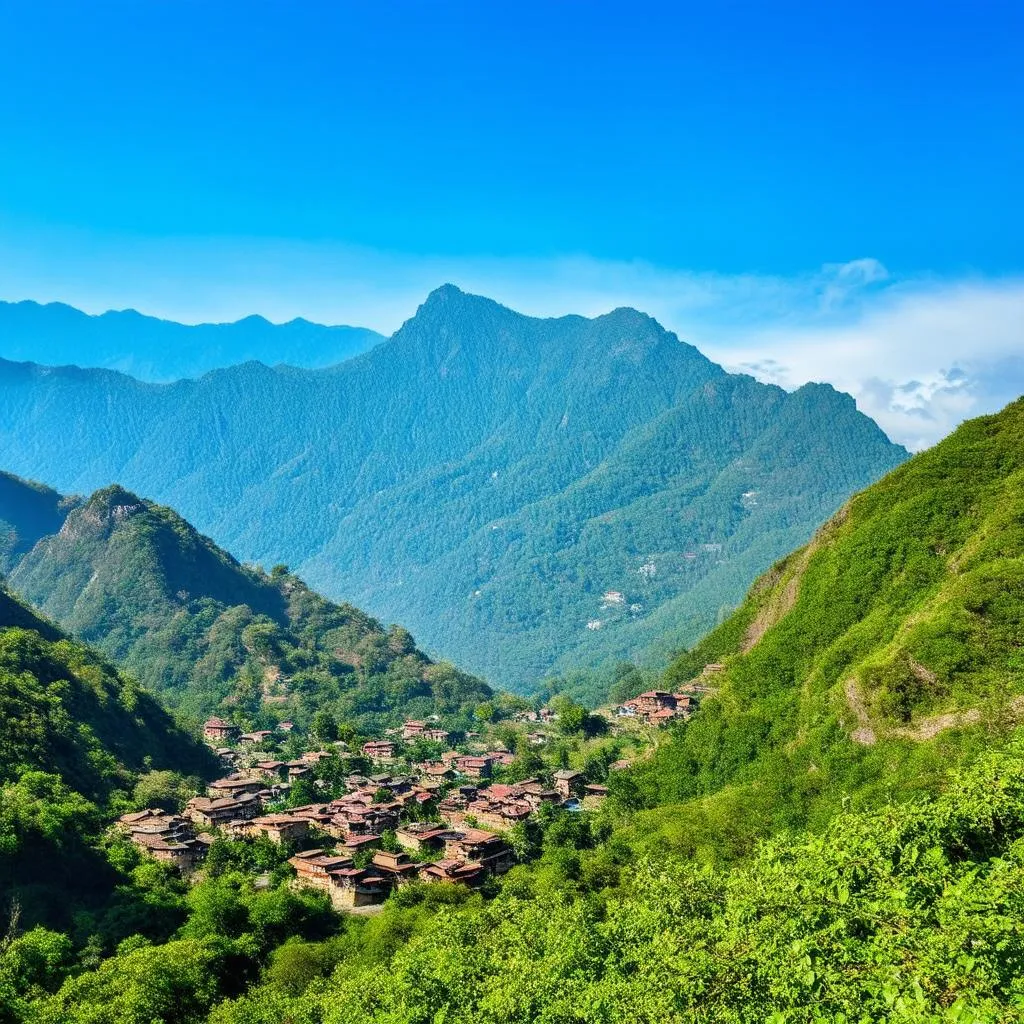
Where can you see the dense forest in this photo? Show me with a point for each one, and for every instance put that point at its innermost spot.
(209, 634)
(525, 495)
(836, 834)
(76, 739)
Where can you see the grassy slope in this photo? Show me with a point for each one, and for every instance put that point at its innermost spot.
(860, 666)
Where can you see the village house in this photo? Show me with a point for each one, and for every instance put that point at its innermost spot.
(347, 885)
(313, 867)
(233, 786)
(473, 766)
(568, 782)
(314, 757)
(501, 757)
(254, 738)
(357, 887)
(354, 843)
(421, 836)
(169, 838)
(298, 770)
(656, 707)
(435, 772)
(410, 730)
(436, 735)
(458, 872)
(484, 848)
(279, 828)
(219, 731)
(535, 794)
(500, 814)
(398, 868)
(379, 751)
(594, 795)
(215, 812)
(271, 770)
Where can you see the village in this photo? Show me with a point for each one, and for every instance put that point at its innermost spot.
(387, 819)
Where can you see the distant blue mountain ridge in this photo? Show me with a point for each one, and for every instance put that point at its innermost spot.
(152, 349)
(527, 495)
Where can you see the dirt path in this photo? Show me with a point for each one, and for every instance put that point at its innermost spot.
(925, 729)
(863, 734)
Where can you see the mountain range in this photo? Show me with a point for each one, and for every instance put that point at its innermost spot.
(524, 494)
(162, 350)
(209, 634)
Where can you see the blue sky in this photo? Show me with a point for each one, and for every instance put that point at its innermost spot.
(205, 160)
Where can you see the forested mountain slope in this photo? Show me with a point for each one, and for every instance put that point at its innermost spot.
(862, 665)
(522, 493)
(68, 713)
(28, 511)
(208, 633)
(75, 735)
(162, 350)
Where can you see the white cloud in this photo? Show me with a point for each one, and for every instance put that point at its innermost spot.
(919, 355)
(919, 359)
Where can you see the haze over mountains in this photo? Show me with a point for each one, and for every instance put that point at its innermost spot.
(161, 350)
(524, 494)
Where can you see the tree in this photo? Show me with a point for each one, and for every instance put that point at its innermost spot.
(571, 716)
(324, 726)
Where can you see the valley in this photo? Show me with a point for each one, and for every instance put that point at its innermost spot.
(483, 477)
(856, 713)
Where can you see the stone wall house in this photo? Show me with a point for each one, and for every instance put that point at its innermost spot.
(215, 812)
(217, 730)
(568, 782)
(458, 872)
(280, 828)
(421, 836)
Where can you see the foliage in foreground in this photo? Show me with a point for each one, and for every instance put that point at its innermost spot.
(914, 913)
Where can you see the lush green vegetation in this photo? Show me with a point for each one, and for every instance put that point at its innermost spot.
(910, 913)
(903, 621)
(76, 739)
(484, 478)
(836, 835)
(208, 634)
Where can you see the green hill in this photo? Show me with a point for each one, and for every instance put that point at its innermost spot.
(68, 713)
(209, 634)
(486, 478)
(28, 511)
(76, 735)
(863, 664)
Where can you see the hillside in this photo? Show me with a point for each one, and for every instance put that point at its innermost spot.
(76, 737)
(207, 633)
(522, 493)
(862, 665)
(162, 350)
(68, 713)
(28, 511)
